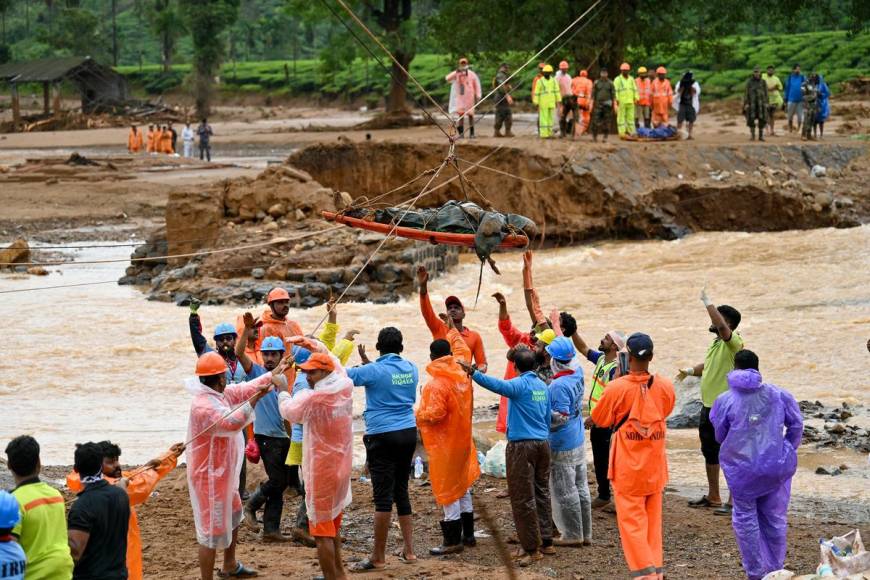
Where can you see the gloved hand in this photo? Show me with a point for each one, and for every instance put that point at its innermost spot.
(704, 298)
(194, 305)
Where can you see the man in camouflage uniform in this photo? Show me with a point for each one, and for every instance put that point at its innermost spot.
(810, 93)
(603, 95)
(503, 101)
(755, 103)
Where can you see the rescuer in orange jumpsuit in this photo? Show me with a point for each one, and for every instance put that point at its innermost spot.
(662, 97)
(134, 140)
(140, 483)
(166, 140)
(636, 406)
(274, 318)
(581, 86)
(151, 140)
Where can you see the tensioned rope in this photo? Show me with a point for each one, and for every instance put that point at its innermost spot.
(533, 57)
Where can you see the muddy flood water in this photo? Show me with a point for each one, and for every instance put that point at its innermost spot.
(99, 361)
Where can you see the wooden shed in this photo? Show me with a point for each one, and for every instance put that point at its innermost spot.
(101, 87)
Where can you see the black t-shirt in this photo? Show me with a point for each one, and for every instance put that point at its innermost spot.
(685, 91)
(103, 511)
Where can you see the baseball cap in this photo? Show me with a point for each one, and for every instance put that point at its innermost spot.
(453, 300)
(640, 346)
(547, 336)
(318, 361)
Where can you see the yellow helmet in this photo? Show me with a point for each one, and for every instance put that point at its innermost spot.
(547, 68)
(641, 70)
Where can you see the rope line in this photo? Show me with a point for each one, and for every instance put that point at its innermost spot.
(58, 286)
(533, 58)
(173, 256)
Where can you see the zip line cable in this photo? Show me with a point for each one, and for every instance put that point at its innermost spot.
(533, 58)
(387, 69)
(58, 286)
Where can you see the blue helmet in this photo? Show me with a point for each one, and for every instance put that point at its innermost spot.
(224, 328)
(300, 354)
(9, 511)
(272, 343)
(561, 349)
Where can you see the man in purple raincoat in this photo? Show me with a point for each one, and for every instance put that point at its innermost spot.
(759, 427)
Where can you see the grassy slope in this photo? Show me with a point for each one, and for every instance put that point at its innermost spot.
(835, 55)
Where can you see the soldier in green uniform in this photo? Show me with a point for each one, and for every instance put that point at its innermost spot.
(755, 103)
(603, 95)
(810, 93)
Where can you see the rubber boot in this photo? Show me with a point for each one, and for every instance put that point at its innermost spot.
(752, 130)
(461, 129)
(471, 131)
(254, 503)
(467, 519)
(507, 127)
(452, 544)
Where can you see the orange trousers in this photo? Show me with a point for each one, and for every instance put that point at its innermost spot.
(640, 529)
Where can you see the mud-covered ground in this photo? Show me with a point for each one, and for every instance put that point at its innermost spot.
(697, 543)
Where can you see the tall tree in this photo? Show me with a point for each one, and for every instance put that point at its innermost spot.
(168, 26)
(5, 5)
(207, 21)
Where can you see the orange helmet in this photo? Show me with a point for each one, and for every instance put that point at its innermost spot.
(541, 65)
(563, 65)
(211, 363)
(624, 66)
(584, 73)
(277, 294)
(661, 70)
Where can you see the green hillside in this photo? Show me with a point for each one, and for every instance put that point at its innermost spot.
(836, 55)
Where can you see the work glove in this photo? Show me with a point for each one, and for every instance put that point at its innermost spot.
(704, 298)
(194, 305)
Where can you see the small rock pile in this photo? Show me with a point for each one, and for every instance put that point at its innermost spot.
(835, 432)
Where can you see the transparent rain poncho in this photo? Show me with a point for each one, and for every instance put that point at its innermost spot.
(326, 413)
(214, 459)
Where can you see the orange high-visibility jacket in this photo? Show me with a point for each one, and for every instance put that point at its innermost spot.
(444, 419)
(134, 141)
(582, 89)
(151, 141)
(283, 329)
(166, 142)
(637, 466)
(644, 91)
(662, 96)
(139, 489)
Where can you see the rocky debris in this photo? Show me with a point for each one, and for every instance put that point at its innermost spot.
(828, 471)
(687, 413)
(15, 253)
(37, 271)
(834, 430)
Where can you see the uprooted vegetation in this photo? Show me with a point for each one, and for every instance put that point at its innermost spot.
(645, 191)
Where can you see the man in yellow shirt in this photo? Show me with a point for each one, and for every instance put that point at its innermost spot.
(41, 531)
(774, 97)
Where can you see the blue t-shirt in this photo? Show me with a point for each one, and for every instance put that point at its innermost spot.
(566, 398)
(300, 384)
(267, 417)
(391, 391)
(529, 409)
(12, 561)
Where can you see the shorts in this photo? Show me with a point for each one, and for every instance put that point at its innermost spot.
(326, 529)
(687, 114)
(771, 110)
(707, 434)
(389, 457)
(294, 456)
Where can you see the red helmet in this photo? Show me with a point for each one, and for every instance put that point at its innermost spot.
(211, 363)
(661, 70)
(563, 65)
(277, 294)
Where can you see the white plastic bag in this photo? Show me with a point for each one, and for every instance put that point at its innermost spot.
(843, 556)
(494, 464)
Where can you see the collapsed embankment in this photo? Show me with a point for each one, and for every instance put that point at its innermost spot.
(622, 191)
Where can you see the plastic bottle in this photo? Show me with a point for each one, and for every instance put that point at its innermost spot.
(481, 458)
(418, 467)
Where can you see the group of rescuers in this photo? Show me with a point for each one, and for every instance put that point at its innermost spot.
(164, 139)
(579, 105)
(302, 390)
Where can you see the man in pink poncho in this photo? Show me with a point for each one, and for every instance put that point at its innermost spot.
(214, 457)
(464, 93)
(326, 412)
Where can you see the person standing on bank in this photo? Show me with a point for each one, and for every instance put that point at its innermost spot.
(390, 440)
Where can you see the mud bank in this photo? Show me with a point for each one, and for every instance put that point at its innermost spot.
(633, 191)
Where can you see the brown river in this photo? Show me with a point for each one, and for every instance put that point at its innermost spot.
(99, 361)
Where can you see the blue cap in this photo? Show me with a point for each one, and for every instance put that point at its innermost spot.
(300, 354)
(561, 349)
(640, 346)
(224, 328)
(9, 512)
(272, 343)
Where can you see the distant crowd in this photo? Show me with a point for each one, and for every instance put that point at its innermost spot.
(163, 139)
(640, 107)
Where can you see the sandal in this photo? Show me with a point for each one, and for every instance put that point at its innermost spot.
(704, 502)
(240, 572)
(366, 566)
(404, 560)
